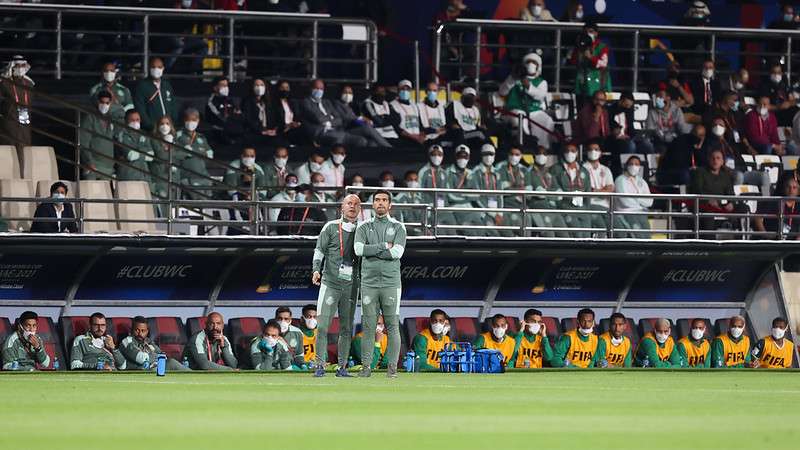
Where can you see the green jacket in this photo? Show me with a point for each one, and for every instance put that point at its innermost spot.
(153, 104)
(294, 337)
(136, 352)
(512, 178)
(190, 146)
(542, 180)
(562, 181)
(591, 76)
(271, 179)
(562, 347)
(138, 159)
(85, 355)
(232, 178)
(380, 267)
(266, 358)
(486, 178)
(160, 170)
(602, 353)
(420, 346)
(458, 179)
(648, 350)
(121, 100)
(518, 99)
(202, 353)
(14, 349)
(428, 176)
(98, 135)
(328, 256)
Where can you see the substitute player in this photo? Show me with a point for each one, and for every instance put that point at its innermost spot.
(531, 344)
(775, 351)
(578, 348)
(430, 341)
(731, 349)
(695, 348)
(616, 349)
(658, 349)
(498, 339)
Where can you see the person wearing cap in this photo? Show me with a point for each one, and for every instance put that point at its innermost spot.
(434, 176)
(569, 176)
(405, 116)
(411, 216)
(223, 113)
(540, 179)
(459, 176)
(321, 122)
(485, 177)
(97, 140)
(378, 111)
(525, 96)
(513, 176)
(464, 120)
(591, 59)
(16, 95)
(121, 98)
(432, 117)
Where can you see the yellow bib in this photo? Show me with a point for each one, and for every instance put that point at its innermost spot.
(506, 346)
(615, 354)
(663, 353)
(529, 350)
(434, 347)
(696, 356)
(775, 357)
(734, 352)
(580, 353)
(383, 343)
(310, 346)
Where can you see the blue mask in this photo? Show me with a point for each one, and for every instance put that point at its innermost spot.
(660, 103)
(788, 17)
(432, 96)
(300, 197)
(736, 105)
(404, 95)
(58, 197)
(317, 93)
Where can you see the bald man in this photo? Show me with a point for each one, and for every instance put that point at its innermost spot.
(731, 349)
(334, 269)
(209, 349)
(658, 349)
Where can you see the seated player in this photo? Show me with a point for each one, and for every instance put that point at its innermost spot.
(658, 349)
(209, 348)
(532, 345)
(497, 339)
(430, 341)
(95, 350)
(731, 349)
(695, 348)
(774, 351)
(578, 348)
(140, 351)
(23, 350)
(270, 351)
(292, 335)
(616, 348)
(381, 342)
(308, 326)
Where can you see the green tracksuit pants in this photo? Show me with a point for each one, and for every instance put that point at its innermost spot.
(375, 301)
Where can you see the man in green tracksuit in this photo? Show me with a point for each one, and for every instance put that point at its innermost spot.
(140, 351)
(569, 176)
(292, 335)
(23, 349)
(335, 270)
(658, 349)
(95, 350)
(459, 176)
(380, 241)
(209, 349)
(270, 351)
(512, 176)
(122, 100)
(731, 349)
(135, 151)
(97, 141)
(154, 97)
(193, 149)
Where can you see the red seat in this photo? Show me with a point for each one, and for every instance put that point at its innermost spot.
(241, 331)
(333, 340)
(195, 325)
(5, 328)
(72, 327)
(119, 327)
(648, 325)
(412, 326)
(464, 329)
(683, 327)
(169, 334)
(630, 330)
(721, 326)
(52, 343)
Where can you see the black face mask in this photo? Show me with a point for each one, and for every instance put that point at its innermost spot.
(283, 94)
(469, 102)
(379, 98)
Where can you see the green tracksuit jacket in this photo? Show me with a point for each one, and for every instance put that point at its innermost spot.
(15, 349)
(154, 102)
(647, 348)
(328, 255)
(128, 141)
(97, 144)
(269, 358)
(562, 347)
(203, 354)
(85, 355)
(380, 267)
(121, 102)
(189, 148)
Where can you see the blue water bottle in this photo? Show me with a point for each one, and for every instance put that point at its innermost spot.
(146, 363)
(161, 365)
(408, 361)
(56, 364)
(15, 365)
(186, 362)
(101, 365)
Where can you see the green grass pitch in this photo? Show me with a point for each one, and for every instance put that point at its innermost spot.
(518, 410)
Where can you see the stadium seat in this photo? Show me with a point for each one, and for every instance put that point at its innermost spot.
(17, 188)
(194, 325)
(684, 328)
(721, 326)
(631, 331)
(119, 327)
(789, 162)
(771, 164)
(749, 161)
(513, 324)
(647, 325)
(464, 329)
(553, 329)
(641, 107)
(39, 163)
(135, 190)
(169, 334)
(748, 190)
(333, 341)
(100, 190)
(71, 327)
(6, 328)
(52, 343)
(571, 323)
(241, 331)
(413, 326)
(9, 163)
(43, 188)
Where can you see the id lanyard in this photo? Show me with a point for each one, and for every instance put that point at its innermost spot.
(208, 346)
(341, 242)
(544, 180)
(16, 96)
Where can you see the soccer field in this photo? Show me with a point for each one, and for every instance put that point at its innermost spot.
(517, 410)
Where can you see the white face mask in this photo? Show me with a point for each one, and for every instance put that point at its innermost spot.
(109, 76)
(379, 328)
(224, 91)
(534, 328)
(28, 334)
(776, 77)
(540, 159)
(156, 72)
(617, 341)
(718, 130)
(569, 157)
(488, 160)
(536, 10)
(593, 155)
(586, 331)
(20, 71)
(764, 112)
(736, 332)
(738, 85)
(436, 160)
(532, 69)
(280, 163)
(186, 3)
(708, 74)
(387, 183)
(135, 125)
(499, 332)
(284, 326)
(412, 184)
(633, 170)
(249, 161)
(698, 334)
(164, 129)
(778, 333)
(260, 90)
(462, 163)
(357, 184)
(271, 341)
(579, 14)
(103, 108)
(191, 125)
(515, 159)
(347, 98)
(315, 167)
(437, 328)
(338, 158)
(310, 323)
(98, 343)
(661, 338)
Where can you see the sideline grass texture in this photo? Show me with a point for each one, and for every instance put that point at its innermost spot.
(548, 409)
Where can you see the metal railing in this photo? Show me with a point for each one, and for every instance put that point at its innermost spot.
(457, 47)
(63, 41)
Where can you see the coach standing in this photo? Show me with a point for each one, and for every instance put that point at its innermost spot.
(380, 242)
(337, 291)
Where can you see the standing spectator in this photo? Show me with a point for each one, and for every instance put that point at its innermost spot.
(194, 150)
(632, 182)
(378, 111)
(464, 120)
(321, 124)
(705, 89)
(223, 114)
(536, 11)
(592, 121)
(286, 120)
(121, 98)
(260, 128)
(591, 58)
(761, 130)
(432, 116)
(57, 209)
(133, 151)
(97, 140)
(154, 97)
(15, 100)
(665, 122)
(354, 122)
(677, 87)
(162, 137)
(783, 101)
(525, 96)
(405, 116)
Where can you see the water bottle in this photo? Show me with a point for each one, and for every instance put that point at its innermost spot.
(15, 365)
(604, 364)
(527, 363)
(146, 363)
(186, 362)
(408, 361)
(101, 365)
(56, 364)
(350, 362)
(161, 365)
(646, 362)
(719, 362)
(416, 363)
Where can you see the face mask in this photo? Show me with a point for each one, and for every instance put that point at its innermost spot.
(499, 332)
(462, 163)
(515, 159)
(379, 328)
(310, 323)
(778, 333)
(540, 159)
(736, 332)
(531, 68)
(284, 326)
(98, 343)
(788, 17)
(156, 72)
(738, 85)
(347, 98)
(103, 107)
(186, 3)
(191, 125)
(660, 103)
(224, 91)
(579, 14)
(697, 334)
(534, 328)
(404, 95)
(536, 10)
(317, 93)
(437, 328)
(135, 125)
(109, 76)
(280, 163)
(776, 78)
(708, 74)
(249, 161)
(337, 158)
(260, 90)
(586, 331)
(616, 341)
(283, 94)
(763, 111)
(661, 338)
(593, 155)
(20, 71)
(718, 130)
(300, 197)
(436, 160)
(735, 106)
(357, 184)
(432, 96)
(271, 341)
(387, 183)
(633, 170)
(468, 102)
(59, 197)
(488, 160)
(569, 157)
(412, 184)
(164, 129)
(28, 334)
(315, 167)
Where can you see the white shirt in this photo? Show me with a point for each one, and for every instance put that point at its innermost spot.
(288, 115)
(627, 185)
(600, 177)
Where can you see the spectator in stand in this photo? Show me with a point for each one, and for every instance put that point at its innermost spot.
(154, 97)
(484, 177)
(601, 181)
(525, 96)
(260, 127)
(121, 98)
(705, 89)
(536, 11)
(569, 176)
(713, 179)
(354, 122)
(592, 121)
(733, 160)
(665, 122)
(761, 130)
(624, 138)
(194, 149)
(248, 172)
(275, 173)
(23, 350)
(162, 137)
(632, 182)
(222, 112)
(464, 120)
(311, 218)
(15, 101)
(319, 194)
(788, 187)
(677, 87)
(783, 100)
(287, 194)
(134, 151)
(286, 120)
(729, 109)
(410, 216)
(512, 176)
(682, 156)
(321, 124)
(378, 111)
(432, 116)
(737, 81)
(97, 140)
(590, 56)
(540, 179)
(405, 116)
(333, 168)
(386, 179)
(57, 209)
(459, 176)
(209, 348)
(574, 12)
(434, 176)
(314, 164)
